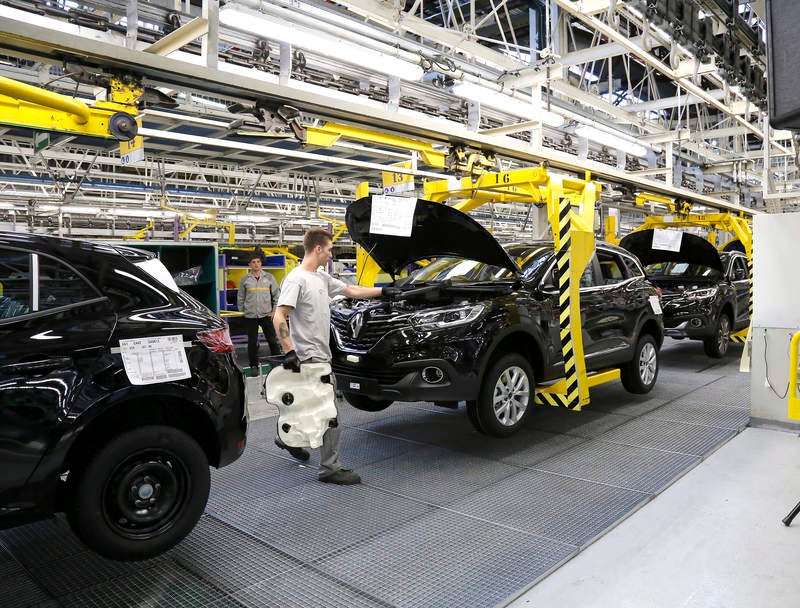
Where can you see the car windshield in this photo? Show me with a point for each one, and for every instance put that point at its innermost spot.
(462, 270)
(682, 269)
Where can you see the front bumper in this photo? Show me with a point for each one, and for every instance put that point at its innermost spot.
(409, 381)
(696, 327)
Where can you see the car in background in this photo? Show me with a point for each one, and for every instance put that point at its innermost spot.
(117, 390)
(480, 323)
(705, 293)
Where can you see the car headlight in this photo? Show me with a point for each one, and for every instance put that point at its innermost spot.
(700, 294)
(447, 317)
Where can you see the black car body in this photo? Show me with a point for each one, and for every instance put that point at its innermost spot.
(705, 292)
(480, 311)
(127, 462)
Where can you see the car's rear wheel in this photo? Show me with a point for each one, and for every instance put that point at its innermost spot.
(717, 345)
(367, 404)
(140, 494)
(640, 373)
(506, 396)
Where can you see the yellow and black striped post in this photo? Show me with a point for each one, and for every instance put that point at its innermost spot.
(570, 397)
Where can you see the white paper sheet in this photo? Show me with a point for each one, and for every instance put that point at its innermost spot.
(667, 240)
(655, 304)
(392, 215)
(154, 359)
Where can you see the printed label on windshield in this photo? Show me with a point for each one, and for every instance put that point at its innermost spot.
(154, 359)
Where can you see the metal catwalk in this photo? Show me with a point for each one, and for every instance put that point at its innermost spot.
(445, 517)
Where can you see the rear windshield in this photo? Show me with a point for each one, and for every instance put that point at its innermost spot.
(158, 271)
(682, 270)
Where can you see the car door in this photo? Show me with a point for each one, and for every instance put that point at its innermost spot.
(54, 326)
(608, 309)
(740, 280)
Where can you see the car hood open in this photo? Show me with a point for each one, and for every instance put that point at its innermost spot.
(694, 250)
(437, 230)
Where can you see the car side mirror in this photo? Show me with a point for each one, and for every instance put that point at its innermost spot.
(549, 281)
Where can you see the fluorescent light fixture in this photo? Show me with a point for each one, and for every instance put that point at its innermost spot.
(333, 47)
(507, 103)
(612, 140)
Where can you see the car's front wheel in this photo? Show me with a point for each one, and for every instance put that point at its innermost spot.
(717, 345)
(640, 373)
(505, 398)
(140, 494)
(367, 404)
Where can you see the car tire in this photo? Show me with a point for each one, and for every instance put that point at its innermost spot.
(472, 415)
(140, 494)
(717, 345)
(367, 404)
(640, 373)
(506, 396)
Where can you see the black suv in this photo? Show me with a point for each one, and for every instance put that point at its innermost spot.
(705, 292)
(480, 323)
(117, 390)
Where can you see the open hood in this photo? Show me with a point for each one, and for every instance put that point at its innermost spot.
(693, 250)
(436, 230)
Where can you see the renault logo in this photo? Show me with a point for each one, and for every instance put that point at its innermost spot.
(356, 324)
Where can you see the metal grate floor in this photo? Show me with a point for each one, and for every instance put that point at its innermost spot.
(446, 517)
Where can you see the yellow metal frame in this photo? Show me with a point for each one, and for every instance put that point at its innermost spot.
(794, 400)
(330, 132)
(24, 105)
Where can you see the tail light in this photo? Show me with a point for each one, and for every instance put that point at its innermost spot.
(217, 340)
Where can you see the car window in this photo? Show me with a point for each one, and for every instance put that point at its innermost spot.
(681, 269)
(15, 283)
(632, 266)
(59, 285)
(739, 271)
(612, 269)
(587, 278)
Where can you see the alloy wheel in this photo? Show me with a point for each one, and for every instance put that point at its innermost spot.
(511, 396)
(648, 362)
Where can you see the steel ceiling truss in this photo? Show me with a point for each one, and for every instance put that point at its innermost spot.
(603, 61)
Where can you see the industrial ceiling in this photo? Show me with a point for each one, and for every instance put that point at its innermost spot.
(659, 96)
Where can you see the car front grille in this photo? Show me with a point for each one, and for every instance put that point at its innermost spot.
(384, 376)
(373, 326)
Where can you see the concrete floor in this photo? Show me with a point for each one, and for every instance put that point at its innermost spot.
(713, 539)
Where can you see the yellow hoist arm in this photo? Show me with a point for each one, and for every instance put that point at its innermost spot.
(24, 105)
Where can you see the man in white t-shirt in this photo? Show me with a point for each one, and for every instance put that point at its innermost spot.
(305, 298)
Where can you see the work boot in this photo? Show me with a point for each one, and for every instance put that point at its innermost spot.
(342, 477)
(299, 453)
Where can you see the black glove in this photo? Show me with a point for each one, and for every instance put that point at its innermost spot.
(290, 361)
(391, 293)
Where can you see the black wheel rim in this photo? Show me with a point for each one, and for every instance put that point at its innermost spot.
(145, 493)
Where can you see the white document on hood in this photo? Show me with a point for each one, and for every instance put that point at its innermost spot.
(667, 240)
(154, 359)
(393, 215)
